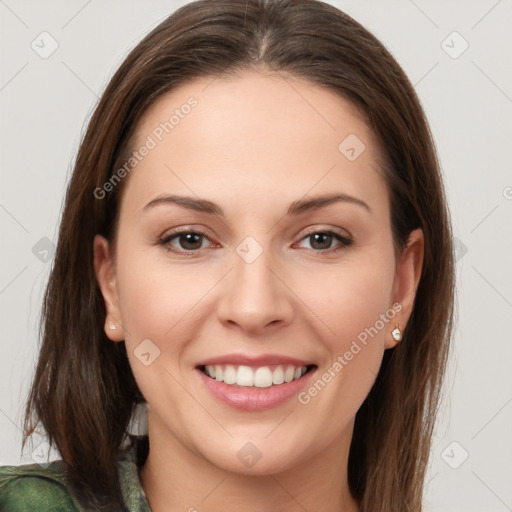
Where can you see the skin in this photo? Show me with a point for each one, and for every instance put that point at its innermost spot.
(255, 144)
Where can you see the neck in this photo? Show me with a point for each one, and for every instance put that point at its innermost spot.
(175, 479)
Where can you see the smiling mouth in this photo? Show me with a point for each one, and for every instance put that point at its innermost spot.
(255, 377)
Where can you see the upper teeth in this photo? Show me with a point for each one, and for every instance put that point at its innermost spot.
(262, 377)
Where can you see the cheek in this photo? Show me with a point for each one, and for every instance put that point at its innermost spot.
(353, 300)
(350, 297)
(157, 304)
(154, 301)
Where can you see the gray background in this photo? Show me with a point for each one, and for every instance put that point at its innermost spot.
(45, 103)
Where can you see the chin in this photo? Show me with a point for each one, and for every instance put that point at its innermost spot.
(254, 459)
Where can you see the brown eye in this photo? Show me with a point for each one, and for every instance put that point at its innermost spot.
(325, 241)
(320, 241)
(190, 241)
(185, 242)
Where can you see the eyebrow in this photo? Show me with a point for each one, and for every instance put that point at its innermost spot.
(199, 205)
(296, 208)
(314, 203)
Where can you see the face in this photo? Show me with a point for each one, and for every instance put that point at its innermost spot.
(254, 276)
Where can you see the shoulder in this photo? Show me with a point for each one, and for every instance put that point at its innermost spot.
(33, 487)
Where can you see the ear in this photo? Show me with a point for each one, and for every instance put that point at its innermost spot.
(106, 276)
(407, 278)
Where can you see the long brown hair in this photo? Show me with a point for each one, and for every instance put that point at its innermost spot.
(84, 392)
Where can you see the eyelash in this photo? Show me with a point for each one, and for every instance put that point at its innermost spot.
(165, 242)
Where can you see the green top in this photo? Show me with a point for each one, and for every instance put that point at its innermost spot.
(33, 487)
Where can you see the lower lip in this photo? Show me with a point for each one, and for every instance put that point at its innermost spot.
(251, 398)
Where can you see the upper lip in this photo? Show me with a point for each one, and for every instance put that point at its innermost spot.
(261, 360)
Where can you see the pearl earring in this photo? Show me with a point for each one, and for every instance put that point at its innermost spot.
(112, 326)
(397, 333)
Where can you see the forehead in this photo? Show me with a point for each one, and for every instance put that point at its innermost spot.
(256, 136)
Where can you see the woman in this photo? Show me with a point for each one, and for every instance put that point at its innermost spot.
(256, 249)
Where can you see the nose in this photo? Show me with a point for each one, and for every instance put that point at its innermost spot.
(255, 298)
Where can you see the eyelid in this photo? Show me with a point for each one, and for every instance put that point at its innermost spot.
(344, 235)
(171, 233)
(326, 229)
